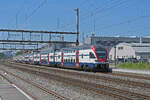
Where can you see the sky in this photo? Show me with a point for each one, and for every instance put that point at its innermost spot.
(102, 17)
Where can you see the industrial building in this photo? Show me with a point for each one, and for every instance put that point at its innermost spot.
(130, 50)
(111, 41)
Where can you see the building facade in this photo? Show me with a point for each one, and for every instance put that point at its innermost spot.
(111, 41)
(130, 50)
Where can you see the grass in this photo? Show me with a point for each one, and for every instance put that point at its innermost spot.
(139, 65)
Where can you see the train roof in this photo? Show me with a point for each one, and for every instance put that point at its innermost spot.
(83, 47)
(72, 48)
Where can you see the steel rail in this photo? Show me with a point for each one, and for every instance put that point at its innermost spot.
(34, 98)
(29, 41)
(96, 87)
(97, 77)
(126, 74)
(36, 85)
(35, 31)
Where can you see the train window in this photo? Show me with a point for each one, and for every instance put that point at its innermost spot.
(91, 55)
(71, 60)
(59, 57)
(82, 55)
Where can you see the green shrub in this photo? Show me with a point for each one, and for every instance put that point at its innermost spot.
(138, 65)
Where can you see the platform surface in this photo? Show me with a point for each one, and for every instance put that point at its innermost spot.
(132, 71)
(10, 92)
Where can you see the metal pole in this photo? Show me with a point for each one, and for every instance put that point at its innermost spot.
(83, 37)
(23, 47)
(16, 21)
(30, 36)
(8, 36)
(115, 56)
(37, 47)
(3, 45)
(77, 22)
(22, 36)
(41, 37)
(49, 37)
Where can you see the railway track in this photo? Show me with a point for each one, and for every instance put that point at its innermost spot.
(35, 85)
(104, 78)
(125, 74)
(11, 82)
(96, 88)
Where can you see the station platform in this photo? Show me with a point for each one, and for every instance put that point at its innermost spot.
(132, 71)
(11, 92)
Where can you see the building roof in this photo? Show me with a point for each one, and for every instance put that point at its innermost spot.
(112, 41)
(142, 49)
(139, 47)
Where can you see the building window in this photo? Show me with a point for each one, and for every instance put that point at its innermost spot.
(120, 48)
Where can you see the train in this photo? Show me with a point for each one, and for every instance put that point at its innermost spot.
(87, 58)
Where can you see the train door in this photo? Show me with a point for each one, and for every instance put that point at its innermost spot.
(77, 59)
(33, 59)
(40, 58)
(48, 58)
(62, 59)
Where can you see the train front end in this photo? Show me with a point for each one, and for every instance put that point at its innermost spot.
(101, 59)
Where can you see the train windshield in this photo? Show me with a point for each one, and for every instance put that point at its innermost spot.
(92, 55)
(101, 54)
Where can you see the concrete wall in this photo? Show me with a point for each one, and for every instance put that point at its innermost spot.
(143, 55)
(122, 51)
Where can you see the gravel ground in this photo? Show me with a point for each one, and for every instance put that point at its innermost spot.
(70, 92)
(3, 81)
(135, 89)
(146, 72)
(31, 89)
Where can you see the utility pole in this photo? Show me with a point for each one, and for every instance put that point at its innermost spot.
(115, 52)
(115, 56)
(83, 37)
(77, 23)
(16, 22)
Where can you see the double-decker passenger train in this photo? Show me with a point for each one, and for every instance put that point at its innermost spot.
(93, 58)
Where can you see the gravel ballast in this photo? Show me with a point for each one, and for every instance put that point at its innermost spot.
(70, 92)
